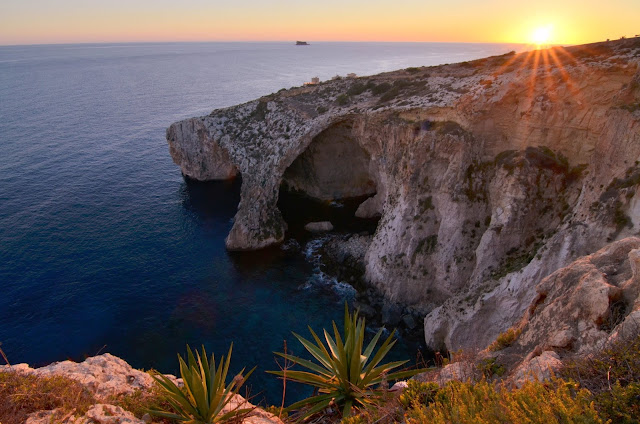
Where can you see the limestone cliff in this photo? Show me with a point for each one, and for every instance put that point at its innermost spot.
(578, 310)
(488, 175)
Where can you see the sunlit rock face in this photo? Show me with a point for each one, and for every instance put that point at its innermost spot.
(488, 175)
(577, 310)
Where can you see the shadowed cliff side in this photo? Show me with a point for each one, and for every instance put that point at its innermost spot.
(488, 175)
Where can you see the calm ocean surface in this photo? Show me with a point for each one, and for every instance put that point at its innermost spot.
(105, 248)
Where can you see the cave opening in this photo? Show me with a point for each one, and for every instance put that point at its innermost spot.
(330, 181)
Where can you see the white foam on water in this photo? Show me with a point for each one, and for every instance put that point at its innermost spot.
(320, 279)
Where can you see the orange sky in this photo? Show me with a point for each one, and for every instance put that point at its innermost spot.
(74, 21)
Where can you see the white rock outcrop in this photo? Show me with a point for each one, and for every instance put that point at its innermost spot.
(107, 376)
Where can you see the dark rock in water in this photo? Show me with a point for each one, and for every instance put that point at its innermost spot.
(391, 313)
(365, 310)
(409, 321)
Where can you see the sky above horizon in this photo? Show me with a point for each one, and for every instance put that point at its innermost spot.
(88, 21)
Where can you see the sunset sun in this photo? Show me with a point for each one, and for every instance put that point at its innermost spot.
(541, 35)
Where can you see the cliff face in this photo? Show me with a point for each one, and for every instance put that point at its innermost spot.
(488, 175)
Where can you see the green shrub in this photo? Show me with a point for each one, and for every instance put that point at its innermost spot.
(390, 94)
(356, 88)
(621, 405)
(342, 99)
(260, 112)
(505, 339)
(490, 367)
(345, 375)
(613, 376)
(141, 401)
(206, 392)
(380, 88)
(356, 419)
(418, 393)
(618, 363)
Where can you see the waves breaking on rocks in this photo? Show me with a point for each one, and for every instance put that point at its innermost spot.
(320, 279)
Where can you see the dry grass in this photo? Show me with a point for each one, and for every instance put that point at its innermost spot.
(599, 372)
(484, 402)
(22, 394)
(613, 376)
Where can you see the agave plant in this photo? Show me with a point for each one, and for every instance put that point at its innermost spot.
(205, 393)
(344, 374)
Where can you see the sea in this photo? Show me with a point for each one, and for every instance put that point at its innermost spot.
(105, 247)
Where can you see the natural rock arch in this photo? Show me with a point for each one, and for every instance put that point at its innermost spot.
(334, 166)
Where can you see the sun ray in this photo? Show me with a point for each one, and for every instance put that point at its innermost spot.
(577, 64)
(534, 74)
(502, 68)
(566, 77)
(547, 70)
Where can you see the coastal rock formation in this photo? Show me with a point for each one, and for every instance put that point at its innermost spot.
(107, 377)
(577, 311)
(578, 307)
(487, 175)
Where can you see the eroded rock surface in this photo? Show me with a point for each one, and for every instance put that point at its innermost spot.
(578, 310)
(489, 175)
(107, 377)
(579, 307)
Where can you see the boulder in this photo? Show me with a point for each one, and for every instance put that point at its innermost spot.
(319, 227)
(539, 368)
(458, 371)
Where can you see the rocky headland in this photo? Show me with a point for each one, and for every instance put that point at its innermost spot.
(487, 177)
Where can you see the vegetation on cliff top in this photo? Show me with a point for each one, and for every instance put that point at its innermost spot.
(600, 388)
(603, 387)
(346, 377)
(205, 394)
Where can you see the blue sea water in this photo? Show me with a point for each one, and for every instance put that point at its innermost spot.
(104, 247)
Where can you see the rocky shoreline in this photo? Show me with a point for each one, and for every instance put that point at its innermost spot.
(578, 311)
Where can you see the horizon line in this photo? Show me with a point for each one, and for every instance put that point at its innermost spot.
(270, 41)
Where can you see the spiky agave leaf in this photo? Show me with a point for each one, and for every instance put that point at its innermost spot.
(205, 392)
(344, 373)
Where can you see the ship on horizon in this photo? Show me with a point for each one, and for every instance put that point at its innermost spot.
(301, 43)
